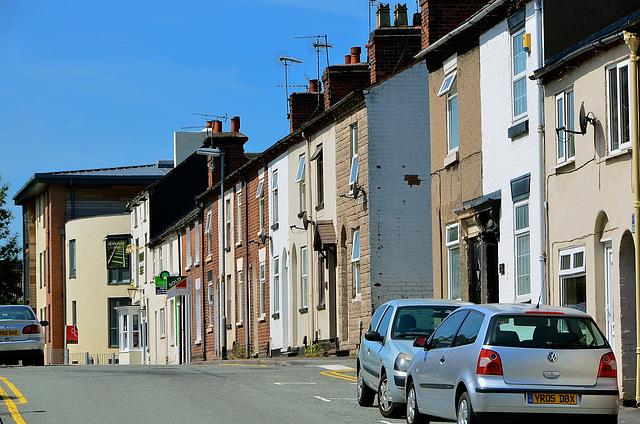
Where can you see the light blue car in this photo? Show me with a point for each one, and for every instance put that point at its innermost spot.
(387, 349)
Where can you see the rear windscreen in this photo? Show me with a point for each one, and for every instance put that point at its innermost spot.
(16, 313)
(544, 331)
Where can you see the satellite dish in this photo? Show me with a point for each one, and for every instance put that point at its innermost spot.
(262, 235)
(584, 119)
(305, 220)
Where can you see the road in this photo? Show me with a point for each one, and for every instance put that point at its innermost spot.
(298, 390)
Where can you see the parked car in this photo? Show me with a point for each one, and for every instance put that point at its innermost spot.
(21, 335)
(387, 348)
(514, 362)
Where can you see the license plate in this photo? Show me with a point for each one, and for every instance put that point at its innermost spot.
(552, 398)
(9, 332)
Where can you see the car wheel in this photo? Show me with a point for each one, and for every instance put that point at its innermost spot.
(385, 401)
(413, 414)
(465, 410)
(365, 394)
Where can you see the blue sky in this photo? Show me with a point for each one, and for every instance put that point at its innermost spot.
(87, 85)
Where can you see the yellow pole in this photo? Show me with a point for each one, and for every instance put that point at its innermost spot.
(632, 41)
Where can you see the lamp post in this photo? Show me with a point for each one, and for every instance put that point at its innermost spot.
(223, 321)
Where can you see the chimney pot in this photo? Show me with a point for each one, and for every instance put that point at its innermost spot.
(383, 17)
(347, 59)
(313, 86)
(235, 124)
(217, 126)
(400, 15)
(355, 54)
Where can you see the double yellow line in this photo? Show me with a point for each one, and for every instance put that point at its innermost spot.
(339, 374)
(11, 400)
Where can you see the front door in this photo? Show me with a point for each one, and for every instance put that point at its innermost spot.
(608, 289)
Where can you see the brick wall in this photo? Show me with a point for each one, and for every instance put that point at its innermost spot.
(439, 17)
(56, 211)
(391, 49)
(340, 80)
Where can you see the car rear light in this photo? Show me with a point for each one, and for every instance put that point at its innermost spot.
(489, 363)
(31, 329)
(608, 366)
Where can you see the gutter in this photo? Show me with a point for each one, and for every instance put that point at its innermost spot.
(463, 27)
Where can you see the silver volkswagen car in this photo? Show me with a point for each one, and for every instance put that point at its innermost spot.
(514, 363)
(21, 336)
(387, 348)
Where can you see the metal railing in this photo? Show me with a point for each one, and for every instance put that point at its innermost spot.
(64, 357)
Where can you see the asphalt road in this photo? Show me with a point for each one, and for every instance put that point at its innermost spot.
(255, 391)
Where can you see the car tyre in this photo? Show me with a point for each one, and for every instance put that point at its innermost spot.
(464, 412)
(365, 394)
(413, 414)
(387, 407)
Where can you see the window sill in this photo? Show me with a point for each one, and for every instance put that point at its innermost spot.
(276, 315)
(262, 318)
(239, 324)
(228, 326)
(565, 164)
(239, 244)
(275, 226)
(210, 329)
(321, 307)
(303, 310)
(198, 342)
(320, 207)
(617, 153)
(358, 298)
(227, 249)
(208, 258)
(451, 159)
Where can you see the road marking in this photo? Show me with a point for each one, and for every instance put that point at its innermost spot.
(288, 383)
(336, 367)
(337, 374)
(246, 365)
(322, 399)
(11, 405)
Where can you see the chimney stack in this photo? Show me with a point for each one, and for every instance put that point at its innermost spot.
(439, 17)
(340, 80)
(313, 86)
(235, 124)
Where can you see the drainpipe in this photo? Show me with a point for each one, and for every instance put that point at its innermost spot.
(632, 41)
(541, 162)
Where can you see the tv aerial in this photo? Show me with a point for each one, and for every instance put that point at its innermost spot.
(319, 46)
(286, 62)
(371, 3)
(208, 120)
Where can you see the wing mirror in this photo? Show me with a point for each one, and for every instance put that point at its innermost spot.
(373, 336)
(420, 342)
(44, 323)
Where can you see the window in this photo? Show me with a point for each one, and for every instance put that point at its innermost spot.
(210, 298)
(321, 280)
(565, 124)
(260, 196)
(523, 249)
(129, 331)
(302, 188)
(353, 173)
(263, 288)
(239, 213)
(618, 91)
(240, 296)
(355, 262)
(113, 318)
(172, 321)
(303, 281)
(198, 311)
(41, 273)
(453, 257)
(72, 259)
(227, 234)
(118, 260)
(188, 243)
(163, 323)
(274, 199)
(519, 80)
(320, 179)
(207, 231)
(469, 329)
(573, 278)
(197, 236)
(444, 334)
(276, 285)
(74, 313)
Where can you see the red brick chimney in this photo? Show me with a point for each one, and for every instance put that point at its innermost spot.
(232, 143)
(392, 48)
(439, 17)
(305, 106)
(340, 80)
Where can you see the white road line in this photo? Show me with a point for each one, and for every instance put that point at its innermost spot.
(285, 383)
(335, 367)
(322, 399)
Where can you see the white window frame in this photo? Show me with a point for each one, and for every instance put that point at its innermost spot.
(239, 213)
(453, 244)
(276, 285)
(240, 296)
(355, 262)
(73, 258)
(353, 170)
(207, 231)
(616, 115)
(198, 285)
(188, 243)
(304, 289)
(228, 224)
(263, 288)
(564, 108)
(261, 204)
(521, 233)
(302, 184)
(449, 88)
(197, 242)
(517, 51)
(576, 267)
(274, 196)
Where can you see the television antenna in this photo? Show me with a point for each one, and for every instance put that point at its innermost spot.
(286, 62)
(208, 118)
(371, 3)
(319, 46)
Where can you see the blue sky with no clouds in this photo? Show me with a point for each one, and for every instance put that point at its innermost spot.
(87, 85)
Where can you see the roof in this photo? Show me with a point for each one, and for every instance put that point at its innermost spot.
(521, 308)
(138, 174)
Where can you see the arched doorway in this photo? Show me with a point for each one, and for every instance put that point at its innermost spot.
(627, 316)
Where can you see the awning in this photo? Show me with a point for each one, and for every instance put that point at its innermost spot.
(325, 237)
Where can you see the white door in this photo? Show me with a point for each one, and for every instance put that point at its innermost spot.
(608, 289)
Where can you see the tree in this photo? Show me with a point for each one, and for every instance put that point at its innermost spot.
(10, 266)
